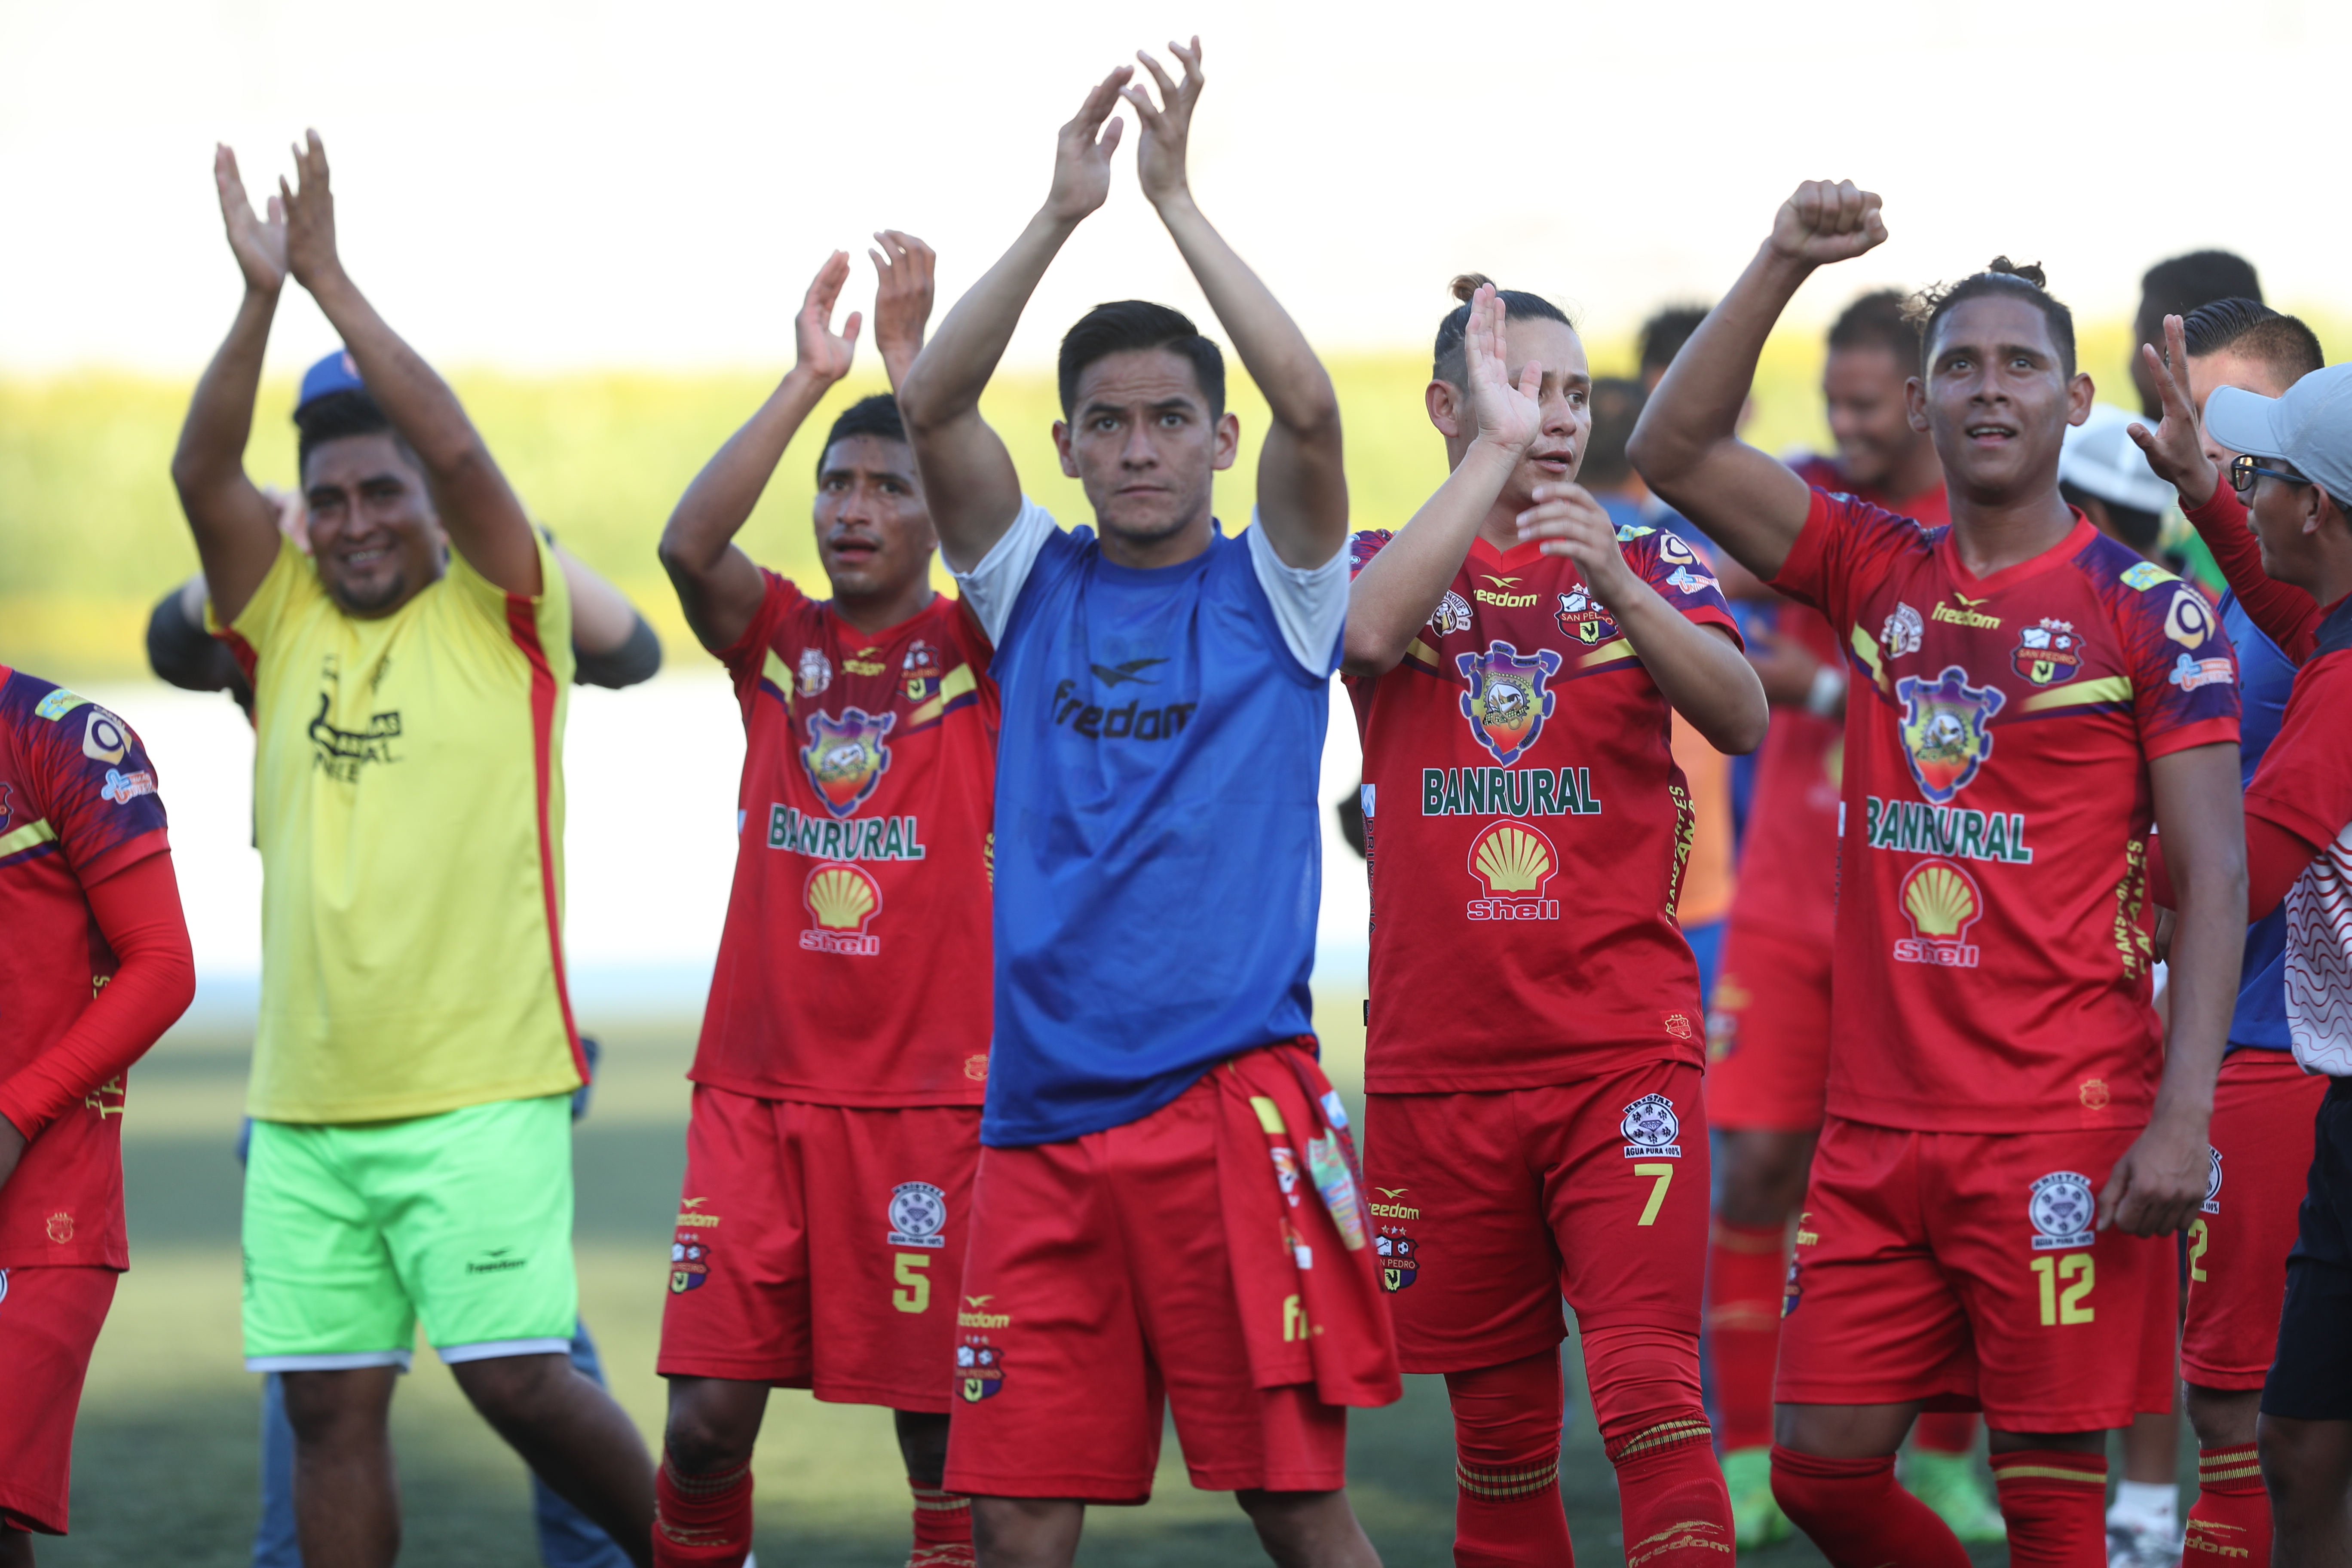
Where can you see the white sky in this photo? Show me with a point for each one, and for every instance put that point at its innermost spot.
(535, 186)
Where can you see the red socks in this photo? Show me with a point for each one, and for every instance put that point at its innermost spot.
(1859, 1517)
(1507, 1510)
(1747, 1270)
(1670, 1491)
(2230, 1521)
(942, 1529)
(1945, 1431)
(2055, 1504)
(701, 1521)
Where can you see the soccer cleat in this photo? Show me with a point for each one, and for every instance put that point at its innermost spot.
(1951, 1484)
(2131, 1544)
(1756, 1516)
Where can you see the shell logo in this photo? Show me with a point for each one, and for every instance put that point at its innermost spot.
(841, 898)
(1514, 861)
(1941, 900)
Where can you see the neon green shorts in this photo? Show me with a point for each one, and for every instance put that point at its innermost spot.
(353, 1233)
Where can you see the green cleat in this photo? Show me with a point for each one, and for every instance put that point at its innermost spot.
(1958, 1491)
(1756, 1518)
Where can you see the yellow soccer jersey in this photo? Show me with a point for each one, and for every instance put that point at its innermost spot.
(408, 797)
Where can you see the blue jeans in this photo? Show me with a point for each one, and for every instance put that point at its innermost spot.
(566, 1538)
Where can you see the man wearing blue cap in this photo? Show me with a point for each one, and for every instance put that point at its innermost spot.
(416, 1058)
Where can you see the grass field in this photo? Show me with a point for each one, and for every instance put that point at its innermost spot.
(166, 1456)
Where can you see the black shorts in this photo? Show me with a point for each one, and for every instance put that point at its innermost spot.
(2311, 1380)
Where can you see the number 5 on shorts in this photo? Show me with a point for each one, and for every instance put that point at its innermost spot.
(909, 1272)
(1665, 1173)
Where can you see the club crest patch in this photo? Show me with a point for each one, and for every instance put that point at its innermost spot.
(846, 757)
(1650, 1129)
(1903, 631)
(1452, 614)
(980, 1372)
(1581, 616)
(921, 670)
(1947, 730)
(1506, 703)
(1400, 1260)
(2047, 653)
(918, 1214)
(2062, 1209)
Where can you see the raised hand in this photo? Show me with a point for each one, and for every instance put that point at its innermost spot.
(259, 247)
(1570, 523)
(904, 266)
(1082, 151)
(2176, 448)
(310, 207)
(822, 352)
(1828, 221)
(1166, 125)
(1507, 416)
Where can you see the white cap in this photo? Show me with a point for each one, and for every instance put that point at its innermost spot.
(2310, 428)
(2100, 457)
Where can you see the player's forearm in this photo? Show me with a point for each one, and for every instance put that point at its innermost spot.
(413, 396)
(719, 501)
(211, 452)
(945, 380)
(1399, 587)
(1697, 406)
(603, 619)
(1296, 388)
(2199, 815)
(1701, 674)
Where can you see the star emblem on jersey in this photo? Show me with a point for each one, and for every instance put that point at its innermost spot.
(1506, 703)
(2212, 1203)
(1651, 1127)
(1941, 900)
(846, 757)
(2062, 1209)
(1581, 616)
(1947, 730)
(1513, 860)
(2047, 653)
(918, 1213)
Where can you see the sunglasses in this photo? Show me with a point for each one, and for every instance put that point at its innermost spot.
(2244, 471)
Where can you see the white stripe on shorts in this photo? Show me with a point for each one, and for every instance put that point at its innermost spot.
(491, 1350)
(341, 1361)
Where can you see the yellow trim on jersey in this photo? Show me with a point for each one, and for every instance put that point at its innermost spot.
(1609, 652)
(1269, 1115)
(772, 668)
(957, 682)
(25, 837)
(1867, 647)
(1423, 652)
(2108, 689)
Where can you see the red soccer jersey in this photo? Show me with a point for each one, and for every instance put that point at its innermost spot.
(853, 968)
(77, 803)
(1992, 929)
(1788, 857)
(1525, 828)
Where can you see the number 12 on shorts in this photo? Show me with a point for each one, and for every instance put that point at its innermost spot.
(2064, 1282)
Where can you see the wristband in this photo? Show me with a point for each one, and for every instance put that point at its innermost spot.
(1828, 694)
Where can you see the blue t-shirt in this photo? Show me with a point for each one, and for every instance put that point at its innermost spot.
(2264, 678)
(1158, 850)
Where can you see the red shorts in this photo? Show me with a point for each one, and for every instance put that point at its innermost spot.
(1962, 1269)
(1768, 1034)
(773, 1184)
(49, 1319)
(1101, 1289)
(2263, 1108)
(1493, 1207)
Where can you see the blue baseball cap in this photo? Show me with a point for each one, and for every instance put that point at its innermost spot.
(334, 373)
(2310, 427)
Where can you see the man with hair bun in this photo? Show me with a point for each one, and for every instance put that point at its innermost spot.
(2008, 1134)
(1166, 1211)
(820, 1236)
(1515, 659)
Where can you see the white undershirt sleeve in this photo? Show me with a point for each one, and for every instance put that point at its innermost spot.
(1310, 603)
(991, 587)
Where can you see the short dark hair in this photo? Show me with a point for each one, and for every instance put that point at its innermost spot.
(877, 415)
(1448, 362)
(1124, 325)
(2250, 328)
(1666, 333)
(1876, 321)
(2178, 286)
(339, 415)
(1928, 307)
(1616, 407)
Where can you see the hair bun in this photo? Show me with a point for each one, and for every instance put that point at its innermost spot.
(1466, 284)
(2030, 271)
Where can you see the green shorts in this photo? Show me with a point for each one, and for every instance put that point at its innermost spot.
(353, 1233)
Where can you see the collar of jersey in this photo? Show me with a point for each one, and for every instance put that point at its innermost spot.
(2066, 549)
(849, 631)
(1143, 576)
(1517, 556)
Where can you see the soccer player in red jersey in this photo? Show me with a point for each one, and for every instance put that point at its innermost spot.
(1525, 826)
(844, 1053)
(1768, 1020)
(2237, 1246)
(94, 965)
(1998, 1153)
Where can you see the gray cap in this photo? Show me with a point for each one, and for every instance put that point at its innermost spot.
(2310, 427)
(2100, 456)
